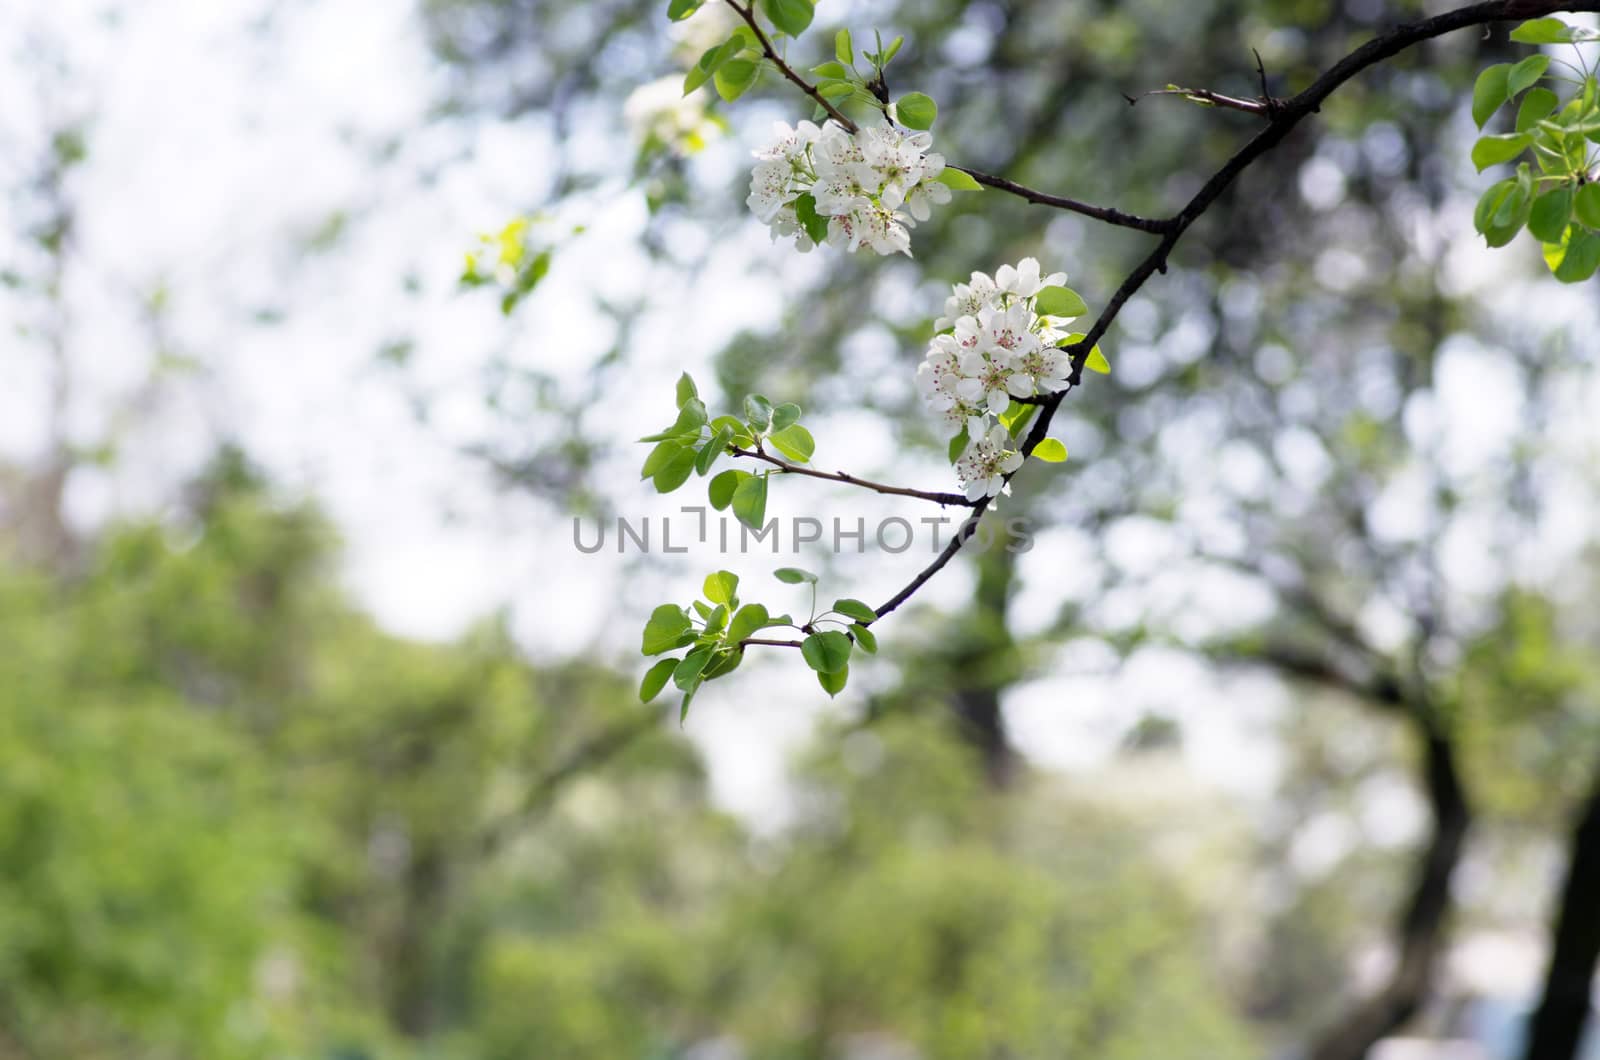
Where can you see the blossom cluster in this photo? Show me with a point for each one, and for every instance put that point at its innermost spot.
(826, 184)
(992, 346)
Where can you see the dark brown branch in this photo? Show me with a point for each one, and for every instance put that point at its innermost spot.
(1557, 1027)
(773, 643)
(852, 480)
(1040, 198)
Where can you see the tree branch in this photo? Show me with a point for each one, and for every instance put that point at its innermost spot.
(851, 480)
(1288, 114)
(1040, 198)
(747, 12)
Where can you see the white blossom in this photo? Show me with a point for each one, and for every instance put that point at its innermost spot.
(871, 186)
(988, 459)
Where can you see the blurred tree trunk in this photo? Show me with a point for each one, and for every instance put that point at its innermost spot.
(986, 665)
(1421, 935)
(1557, 1028)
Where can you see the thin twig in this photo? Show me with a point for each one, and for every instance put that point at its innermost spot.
(1040, 198)
(851, 480)
(1209, 98)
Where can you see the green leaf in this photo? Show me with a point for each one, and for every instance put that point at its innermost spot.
(1489, 91)
(958, 445)
(835, 90)
(1526, 73)
(750, 501)
(659, 457)
(1059, 302)
(710, 61)
(675, 472)
(1536, 106)
(734, 77)
(1586, 205)
(711, 450)
(723, 662)
(747, 621)
(678, 10)
(1542, 31)
(832, 71)
(826, 653)
(855, 609)
(865, 638)
(683, 711)
(655, 679)
(1489, 204)
(1096, 362)
(667, 623)
(891, 51)
(721, 587)
(785, 414)
(842, 49)
(957, 180)
(790, 16)
(723, 487)
(757, 411)
(794, 575)
(915, 110)
(687, 673)
(686, 389)
(834, 683)
(716, 619)
(1550, 214)
(703, 610)
(1015, 418)
(691, 416)
(794, 442)
(1051, 451)
(815, 224)
(1581, 257)
(1492, 150)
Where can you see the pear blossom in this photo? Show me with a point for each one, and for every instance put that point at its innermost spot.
(871, 186)
(988, 459)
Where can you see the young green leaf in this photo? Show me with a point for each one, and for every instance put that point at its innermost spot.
(957, 180)
(675, 472)
(915, 110)
(1096, 362)
(1051, 451)
(1542, 31)
(667, 623)
(891, 51)
(1580, 258)
(1526, 74)
(793, 575)
(723, 486)
(865, 638)
(815, 224)
(790, 16)
(721, 586)
(855, 609)
(1550, 214)
(1059, 302)
(691, 416)
(1536, 106)
(711, 450)
(1492, 150)
(750, 501)
(834, 683)
(686, 675)
(734, 77)
(842, 49)
(709, 62)
(785, 414)
(747, 622)
(1489, 91)
(655, 679)
(659, 457)
(794, 442)
(1586, 205)
(686, 389)
(678, 10)
(716, 619)
(831, 70)
(958, 445)
(758, 411)
(723, 662)
(826, 653)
